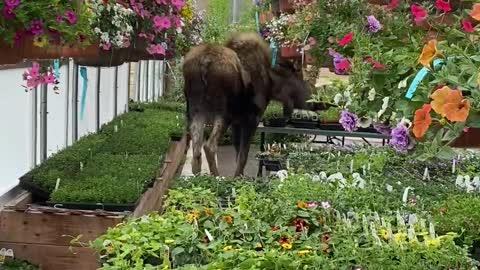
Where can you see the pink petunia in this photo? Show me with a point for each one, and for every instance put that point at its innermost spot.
(312, 41)
(443, 5)
(179, 4)
(343, 65)
(106, 46)
(34, 71)
(346, 39)
(12, 4)
(49, 78)
(393, 4)
(178, 22)
(468, 26)
(59, 18)
(36, 28)
(71, 17)
(161, 23)
(8, 13)
(156, 49)
(418, 13)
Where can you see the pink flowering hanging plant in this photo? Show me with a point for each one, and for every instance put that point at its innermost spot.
(38, 75)
(159, 22)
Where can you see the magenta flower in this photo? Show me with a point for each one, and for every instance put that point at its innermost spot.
(8, 13)
(12, 4)
(59, 18)
(49, 78)
(155, 49)
(106, 46)
(312, 204)
(161, 2)
(161, 23)
(81, 38)
(179, 4)
(178, 22)
(36, 28)
(71, 17)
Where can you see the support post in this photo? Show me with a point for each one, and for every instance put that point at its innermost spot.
(67, 102)
(34, 127)
(115, 93)
(97, 100)
(128, 85)
(43, 121)
(139, 79)
(147, 70)
(75, 104)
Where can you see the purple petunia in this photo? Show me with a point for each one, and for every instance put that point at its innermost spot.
(12, 4)
(349, 121)
(401, 140)
(373, 24)
(8, 13)
(71, 17)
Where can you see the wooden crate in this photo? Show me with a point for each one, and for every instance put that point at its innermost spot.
(41, 235)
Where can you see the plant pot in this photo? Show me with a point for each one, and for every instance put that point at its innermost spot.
(265, 17)
(468, 139)
(290, 52)
(273, 165)
(275, 122)
(286, 6)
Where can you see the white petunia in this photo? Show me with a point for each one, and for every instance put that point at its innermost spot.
(371, 94)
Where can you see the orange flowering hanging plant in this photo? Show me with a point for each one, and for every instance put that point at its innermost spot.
(429, 53)
(451, 104)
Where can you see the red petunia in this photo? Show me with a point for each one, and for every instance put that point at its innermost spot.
(393, 4)
(443, 6)
(375, 64)
(468, 26)
(418, 13)
(346, 39)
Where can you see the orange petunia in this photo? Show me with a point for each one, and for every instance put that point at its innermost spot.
(450, 104)
(422, 121)
(439, 98)
(457, 108)
(475, 13)
(429, 53)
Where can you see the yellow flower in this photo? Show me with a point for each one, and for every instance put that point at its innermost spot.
(384, 234)
(302, 253)
(208, 211)
(302, 205)
(432, 243)
(400, 237)
(227, 248)
(40, 41)
(286, 246)
(258, 245)
(228, 219)
(169, 241)
(429, 53)
(308, 247)
(192, 216)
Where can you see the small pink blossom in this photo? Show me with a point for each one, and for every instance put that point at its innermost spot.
(418, 13)
(8, 13)
(49, 78)
(12, 4)
(106, 46)
(326, 205)
(59, 18)
(161, 23)
(468, 26)
(312, 41)
(36, 28)
(312, 204)
(161, 2)
(154, 49)
(179, 4)
(71, 17)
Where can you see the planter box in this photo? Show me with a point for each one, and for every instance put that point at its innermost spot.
(290, 52)
(470, 139)
(40, 234)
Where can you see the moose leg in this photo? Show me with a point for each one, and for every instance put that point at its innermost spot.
(197, 127)
(236, 137)
(211, 146)
(246, 138)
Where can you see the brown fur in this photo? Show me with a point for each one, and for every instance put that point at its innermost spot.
(232, 86)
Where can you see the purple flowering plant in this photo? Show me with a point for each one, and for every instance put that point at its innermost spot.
(49, 22)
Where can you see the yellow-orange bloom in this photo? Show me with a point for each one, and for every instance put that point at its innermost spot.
(302, 205)
(451, 104)
(439, 98)
(422, 121)
(429, 53)
(228, 219)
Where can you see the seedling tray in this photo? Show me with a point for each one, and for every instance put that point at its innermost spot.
(273, 165)
(300, 123)
(275, 122)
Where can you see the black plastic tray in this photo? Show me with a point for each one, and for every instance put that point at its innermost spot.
(110, 207)
(299, 123)
(26, 182)
(275, 122)
(273, 165)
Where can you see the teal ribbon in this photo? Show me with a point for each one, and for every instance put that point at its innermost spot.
(56, 68)
(437, 63)
(257, 20)
(274, 48)
(83, 73)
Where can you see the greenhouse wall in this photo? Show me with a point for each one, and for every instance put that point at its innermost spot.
(27, 137)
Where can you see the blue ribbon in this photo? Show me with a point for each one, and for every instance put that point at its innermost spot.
(274, 48)
(56, 68)
(420, 76)
(83, 73)
(257, 21)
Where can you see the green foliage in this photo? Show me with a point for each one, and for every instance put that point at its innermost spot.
(116, 164)
(217, 20)
(17, 265)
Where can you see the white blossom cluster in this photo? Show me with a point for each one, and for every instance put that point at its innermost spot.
(112, 23)
(277, 29)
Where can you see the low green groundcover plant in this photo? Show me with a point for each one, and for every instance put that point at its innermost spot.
(116, 164)
(17, 265)
(345, 216)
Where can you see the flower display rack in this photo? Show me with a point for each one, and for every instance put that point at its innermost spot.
(42, 234)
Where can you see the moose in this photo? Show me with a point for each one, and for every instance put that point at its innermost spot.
(230, 86)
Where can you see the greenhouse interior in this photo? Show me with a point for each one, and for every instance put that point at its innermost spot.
(240, 134)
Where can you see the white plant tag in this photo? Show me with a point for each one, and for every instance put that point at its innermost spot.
(426, 174)
(115, 128)
(405, 194)
(454, 162)
(57, 184)
(209, 235)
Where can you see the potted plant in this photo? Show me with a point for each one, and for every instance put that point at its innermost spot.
(304, 119)
(273, 116)
(274, 158)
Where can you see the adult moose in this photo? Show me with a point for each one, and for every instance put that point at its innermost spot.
(231, 86)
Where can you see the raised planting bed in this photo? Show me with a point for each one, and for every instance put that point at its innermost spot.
(109, 170)
(43, 235)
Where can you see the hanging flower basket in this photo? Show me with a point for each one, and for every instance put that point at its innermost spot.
(290, 52)
(469, 139)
